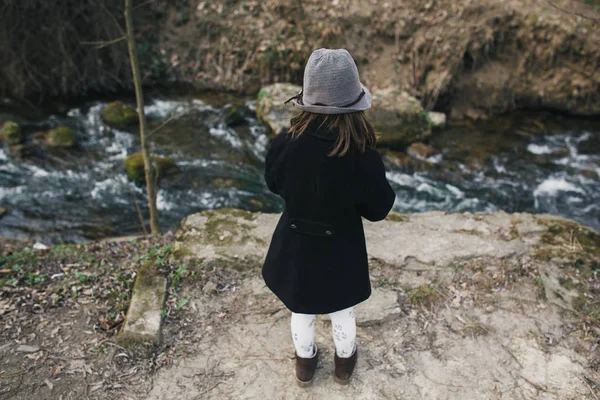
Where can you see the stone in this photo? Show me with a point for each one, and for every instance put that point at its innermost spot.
(134, 166)
(27, 349)
(271, 111)
(399, 118)
(3, 211)
(20, 151)
(142, 326)
(421, 150)
(119, 115)
(11, 133)
(61, 136)
(234, 116)
(381, 307)
(210, 288)
(437, 119)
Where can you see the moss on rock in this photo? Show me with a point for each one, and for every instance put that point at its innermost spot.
(61, 136)
(399, 118)
(234, 116)
(134, 166)
(11, 132)
(118, 115)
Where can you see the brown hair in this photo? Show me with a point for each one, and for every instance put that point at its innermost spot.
(354, 130)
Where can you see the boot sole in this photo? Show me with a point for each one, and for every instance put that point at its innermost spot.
(303, 383)
(342, 381)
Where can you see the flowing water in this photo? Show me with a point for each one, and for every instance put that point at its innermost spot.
(84, 193)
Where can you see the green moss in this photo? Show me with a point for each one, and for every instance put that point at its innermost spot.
(472, 232)
(61, 137)
(395, 217)
(234, 117)
(233, 212)
(118, 115)
(134, 166)
(263, 93)
(426, 295)
(11, 133)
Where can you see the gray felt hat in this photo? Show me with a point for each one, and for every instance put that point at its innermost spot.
(331, 85)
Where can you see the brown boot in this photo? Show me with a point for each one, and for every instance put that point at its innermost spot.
(305, 368)
(344, 367)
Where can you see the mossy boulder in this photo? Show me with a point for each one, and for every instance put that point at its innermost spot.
(11, 133)
(61, 136)
(271, 111)
(399, 118)
(119, 115)
(20, 151)
(134, 166)
(234, 116)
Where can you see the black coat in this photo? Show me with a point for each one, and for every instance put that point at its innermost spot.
(317, 261)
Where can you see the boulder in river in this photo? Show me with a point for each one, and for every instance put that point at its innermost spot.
(271, 111)
(421, 150)
(119, 115)
(399, 118)
(134, 166)
(61, 136)
(234, 116)
(11, 133)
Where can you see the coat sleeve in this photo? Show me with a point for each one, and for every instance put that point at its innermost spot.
(377, 196)
(274, 153)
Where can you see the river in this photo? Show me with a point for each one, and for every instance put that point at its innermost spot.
(496, 165)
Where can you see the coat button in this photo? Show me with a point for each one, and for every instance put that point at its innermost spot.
(328, 233)
(293, 226)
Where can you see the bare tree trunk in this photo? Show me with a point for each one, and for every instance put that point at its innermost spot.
(149, 169)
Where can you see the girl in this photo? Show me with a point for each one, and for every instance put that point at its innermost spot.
(329, 175)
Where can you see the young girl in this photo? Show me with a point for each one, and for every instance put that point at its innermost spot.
(329, 175)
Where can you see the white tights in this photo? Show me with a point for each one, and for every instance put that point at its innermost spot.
(343, 325)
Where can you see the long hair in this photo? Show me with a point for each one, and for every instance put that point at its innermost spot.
(354, 130)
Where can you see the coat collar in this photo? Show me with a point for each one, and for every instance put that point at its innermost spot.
(324, 131)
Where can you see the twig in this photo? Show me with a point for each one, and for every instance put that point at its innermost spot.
(589, 387)
(572, 12)
(208, 390)
(139, 211)
(165, 123)
(102, 44)
(535, 385)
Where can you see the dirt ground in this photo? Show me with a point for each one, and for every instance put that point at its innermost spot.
(484, 306)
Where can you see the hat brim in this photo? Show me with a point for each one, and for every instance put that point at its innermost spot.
(362, 105)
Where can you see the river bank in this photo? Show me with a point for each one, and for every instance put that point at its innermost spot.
(467, 58)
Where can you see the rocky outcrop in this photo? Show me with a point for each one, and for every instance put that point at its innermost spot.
(134, 167)
(464, 306)
(119, 115)
(11, 133)
(271, 111)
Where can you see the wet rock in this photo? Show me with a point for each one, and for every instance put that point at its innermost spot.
(142, 327)
(3, 211)
(134, 166)
(271, 111)
(39, 137)
(118, 115)
(61, 136)
(421, 150)
(225, 183)
(21, 151)
(234, 116)
(399, 118)
(591, 145)
(11, 133)
(437, 119)
(405, 162)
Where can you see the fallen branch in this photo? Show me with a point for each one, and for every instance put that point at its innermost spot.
(573, 13)
(102, 44)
